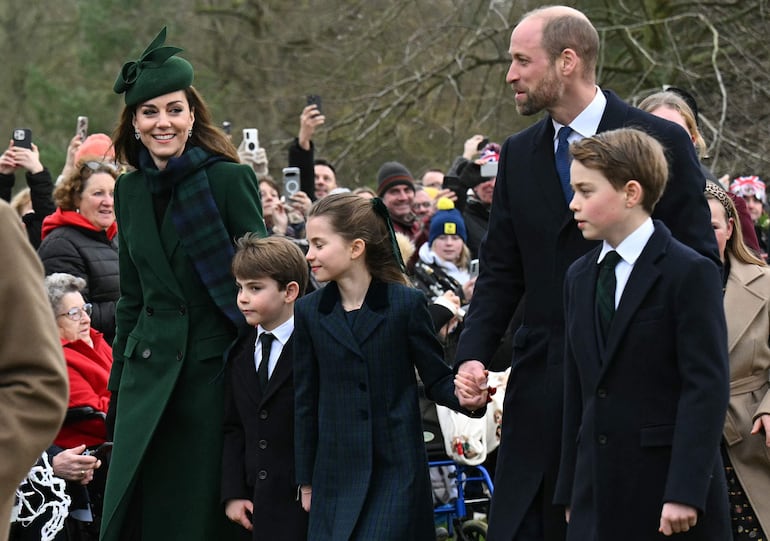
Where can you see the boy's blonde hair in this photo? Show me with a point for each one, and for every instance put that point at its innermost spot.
(274, 257)
(626, 154)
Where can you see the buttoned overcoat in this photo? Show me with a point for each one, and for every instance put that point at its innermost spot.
(359, 439)
(168, 367)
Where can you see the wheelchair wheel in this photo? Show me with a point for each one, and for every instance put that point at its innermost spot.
(473, 530)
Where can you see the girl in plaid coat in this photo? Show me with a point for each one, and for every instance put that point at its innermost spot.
(360, 457)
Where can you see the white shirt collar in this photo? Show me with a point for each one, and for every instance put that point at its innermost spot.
(586, 124)
(631, 247)
(282, 332)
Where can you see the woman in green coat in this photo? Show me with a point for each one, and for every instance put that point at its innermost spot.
(177, 214)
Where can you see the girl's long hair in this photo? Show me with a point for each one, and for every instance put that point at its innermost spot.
(353, 217)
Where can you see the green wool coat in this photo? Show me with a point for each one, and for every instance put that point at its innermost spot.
(168, 364)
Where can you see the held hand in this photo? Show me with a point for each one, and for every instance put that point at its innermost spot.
(471, 387)
(73, 465)
(471, 147)
(566, 514)
(72, 148)
(446, 192)
(28, 159)
(306, 494)
(280, 218)
(301, 202)
(677, 518)
(239, 512)
(762, 423)
(468, 288)
(309, 120)
(7, 163)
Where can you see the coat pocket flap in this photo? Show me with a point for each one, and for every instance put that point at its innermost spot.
(657, 436)
(131, 343)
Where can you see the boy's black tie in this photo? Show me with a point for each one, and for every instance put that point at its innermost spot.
(605, 291)
(266, 339)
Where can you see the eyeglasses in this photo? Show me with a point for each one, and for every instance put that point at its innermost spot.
(76, 314)
(91, 167)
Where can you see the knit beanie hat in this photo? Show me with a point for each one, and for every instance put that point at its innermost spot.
(392, 174)
(97, 146)
(447, 221)
(158, 71)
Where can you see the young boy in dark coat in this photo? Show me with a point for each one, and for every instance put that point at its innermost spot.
(646, 370)
(258, 482)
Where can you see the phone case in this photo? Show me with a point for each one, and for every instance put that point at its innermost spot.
(22, 137)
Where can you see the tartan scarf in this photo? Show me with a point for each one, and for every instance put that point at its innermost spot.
(197, 221)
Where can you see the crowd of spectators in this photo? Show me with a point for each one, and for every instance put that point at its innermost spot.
(442, 218)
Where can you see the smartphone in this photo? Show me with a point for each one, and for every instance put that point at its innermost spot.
(484, 142)
(82, 128)
(474, 268)
(315, 99)
(290, 182)
(227, 127)
(489, 169)
(22, 137)
(102, 452)
(454, 184)
(251, 139)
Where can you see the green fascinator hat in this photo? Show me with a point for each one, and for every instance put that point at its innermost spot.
(158, 71)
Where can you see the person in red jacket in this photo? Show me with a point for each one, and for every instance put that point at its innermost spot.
(88, 356)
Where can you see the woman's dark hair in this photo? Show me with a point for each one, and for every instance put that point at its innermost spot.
(205, 133)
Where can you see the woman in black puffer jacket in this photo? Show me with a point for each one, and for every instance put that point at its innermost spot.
(80, 239)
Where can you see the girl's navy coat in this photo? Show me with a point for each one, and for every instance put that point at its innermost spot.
(359, 439)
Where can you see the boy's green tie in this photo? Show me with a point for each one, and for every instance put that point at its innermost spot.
(605, 291)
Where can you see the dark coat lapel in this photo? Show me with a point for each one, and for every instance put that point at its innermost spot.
(282, 371)
(585, 338)
(158, 244)
(169, 235)
(334, 320)
(548, 187)
(615, 113)
(244, 366)
(643, 276)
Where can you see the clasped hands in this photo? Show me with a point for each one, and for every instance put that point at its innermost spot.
(471, 385)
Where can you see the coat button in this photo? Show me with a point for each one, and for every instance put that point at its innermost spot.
(263, 414)
(362, 386)
(149, 310)
(262, 444)
(146, 353)
(179, 356)
(262, 475)
(182, 310)
(602, 439)
(601, 393)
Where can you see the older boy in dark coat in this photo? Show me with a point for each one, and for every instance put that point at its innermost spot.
(646, 373)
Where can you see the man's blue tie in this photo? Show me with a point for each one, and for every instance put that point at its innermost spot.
(563, 161)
